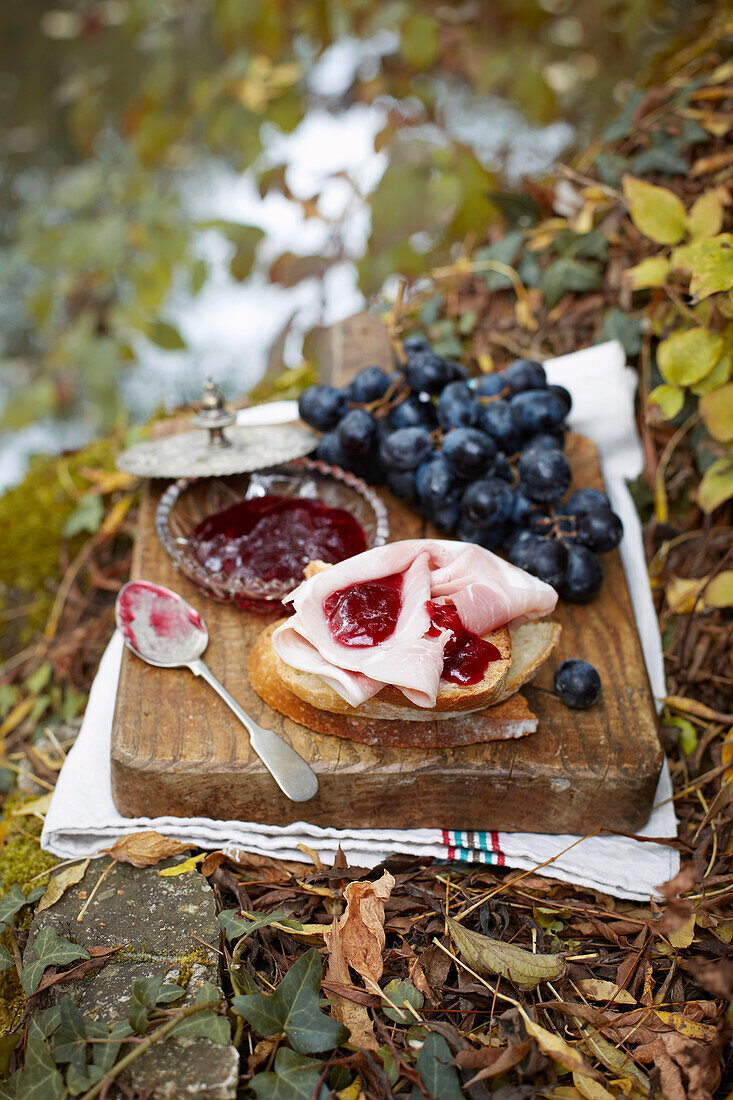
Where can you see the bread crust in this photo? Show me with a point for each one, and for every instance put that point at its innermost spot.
(510, 719)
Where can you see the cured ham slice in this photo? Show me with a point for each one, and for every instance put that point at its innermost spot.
(486, 592)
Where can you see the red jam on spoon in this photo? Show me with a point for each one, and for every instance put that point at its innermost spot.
(272, 538)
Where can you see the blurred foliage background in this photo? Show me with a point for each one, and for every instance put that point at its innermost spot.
(188, 186)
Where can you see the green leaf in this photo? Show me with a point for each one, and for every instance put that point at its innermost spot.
(489, 956)
(706, 214)
(437, 1072)
(655, 211)
(87, 516)
(650, 272)
(617, 325)
(401, 993)
(69, 1042)
(146, 993)
(235, 927)
(105, 1054)
(419, 41)
(688, 734)
(716, 411)
(37, 681)
(718, 376)
(49, 949)
(568, 274)
(81, 1078)
(43, 1024)
(717, 484)
(6, 959)
(39, 1079)
(294, 1078)
(165, 336)
(8, 1043)
(246, 240)
(711, 264)
(505, 252)
(686, 357)
(670, 399)
(293, 1009)
(11, 904)
(206, 1025)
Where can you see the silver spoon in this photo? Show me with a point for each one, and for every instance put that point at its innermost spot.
(162, 629)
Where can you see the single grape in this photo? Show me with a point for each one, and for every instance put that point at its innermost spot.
(586, 500)
(402, 484)
(322, 406)
(497, 421)
(405, 449)
(456, 406)
(490, 538)
(599, 531)
(544, 475)
(525, 374)
(518, 545)
(413, 413)
(502, 469)
(456, 372)
(544, 439)
(436, 482)
(446, 514)
(357, 433)
(583, 575)
(563, 396)
(329, 450)
(536, 411)
(369, 384)
(415, 343)
(468, 451)
(490, 385)
(488, 501)
(426, 373)
(522, 509)
(577, 683)
(547, 559)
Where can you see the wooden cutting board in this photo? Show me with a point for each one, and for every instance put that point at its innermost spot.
(177, 749)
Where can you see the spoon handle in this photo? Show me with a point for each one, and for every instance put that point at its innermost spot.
(293, 776)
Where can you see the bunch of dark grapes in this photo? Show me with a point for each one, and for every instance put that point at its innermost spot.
(482, 459)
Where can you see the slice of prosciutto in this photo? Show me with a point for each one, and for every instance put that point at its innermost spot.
(486, 591)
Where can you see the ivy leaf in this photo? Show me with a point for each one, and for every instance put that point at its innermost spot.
(568, 274)
(655, 211)
(401, 993)
(11, 904)
(69, 1042)
(8, 1043)
(716, 410)
(717, 484)
(670, 399)
(6, 959)
(293, 1009)
(650, 272)
(623, 125)
(49, 949)
(39, 1079)
(235, 927)
(146, 993)
(81, 1078)
(105, 1054)
(43, 1024)
(490, 956)
(657, 158)
(505, 252)
(87, 516)
(617, 325)
(294, 1078)
(206, 1025)
(686, 357)
(436, 1069)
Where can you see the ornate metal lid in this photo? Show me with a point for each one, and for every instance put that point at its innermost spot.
(212, 451)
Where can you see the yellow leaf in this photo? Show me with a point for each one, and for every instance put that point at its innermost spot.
(524, 315)
(182, 868)
(668, 398)
(20, 711)
(716, 411)
(115, 516)
(718, 376)
(706, 214)
(592, 1090)
(108, 481)
(618, 1061)
(36, 806)
(690, 1028)
(717, 484)
(726, 756)
(683, 594)
(352, 1091)
(655, 211)
(599, 990)
(60, 883)
(686, 357)
(555, 1047)
(650, 272)
(490, 956)
(719, 592)
(685, 934)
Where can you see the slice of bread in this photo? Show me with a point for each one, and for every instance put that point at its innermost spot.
(508, 720)
(391, 703)
(532, 644)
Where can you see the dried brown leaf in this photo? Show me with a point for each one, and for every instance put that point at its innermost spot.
(345, 1009)
(361, 927)
(145, 849)
(60, 883)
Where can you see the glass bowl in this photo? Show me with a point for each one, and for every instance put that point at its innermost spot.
(187, 502)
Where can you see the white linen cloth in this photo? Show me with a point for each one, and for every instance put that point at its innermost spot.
(83, 819)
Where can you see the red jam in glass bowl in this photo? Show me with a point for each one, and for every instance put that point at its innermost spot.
(246, 538)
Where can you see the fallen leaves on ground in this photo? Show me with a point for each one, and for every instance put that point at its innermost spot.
(145, 849)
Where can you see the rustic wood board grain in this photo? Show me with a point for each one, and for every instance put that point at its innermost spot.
(177, 750)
